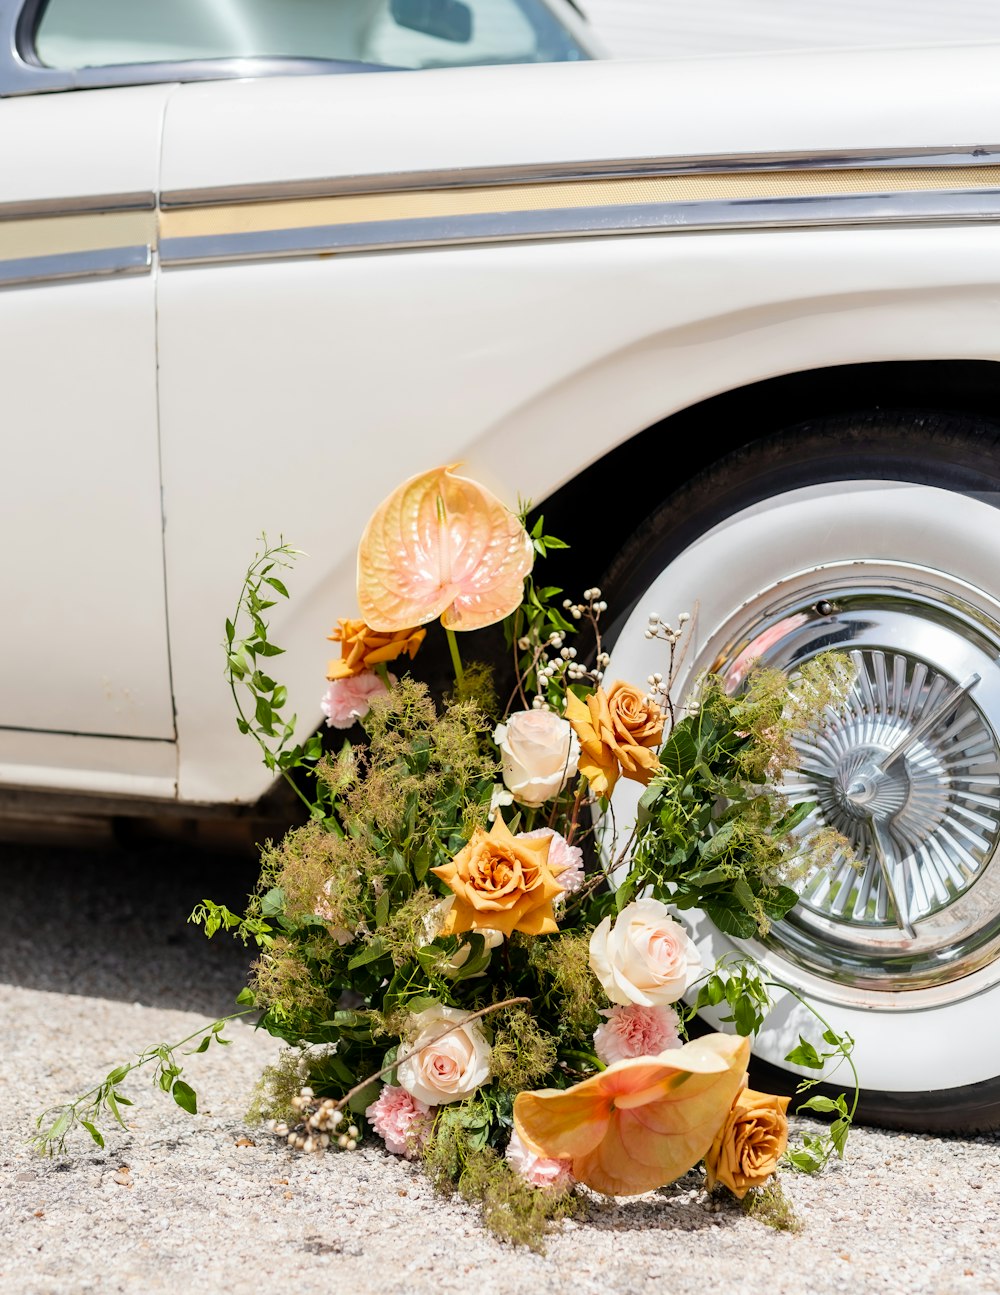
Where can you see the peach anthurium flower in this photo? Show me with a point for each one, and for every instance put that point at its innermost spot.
(441, 545)
(501, 883)
(641, 1123)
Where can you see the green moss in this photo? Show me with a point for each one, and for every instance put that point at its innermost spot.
(512, 1209)
(770, 1205)
(523, 1054)
(278, 1084)
(405, 931)
(317, 872)
(477, 686)
(775, 709)
(288, 987)
(562, 964)
(423, 779)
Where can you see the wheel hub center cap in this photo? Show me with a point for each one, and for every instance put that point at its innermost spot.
(862, 790)
(907, 769)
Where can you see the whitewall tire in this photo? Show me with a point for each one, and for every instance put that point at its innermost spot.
(876, 559)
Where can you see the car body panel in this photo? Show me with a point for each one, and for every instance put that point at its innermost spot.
(583, 345)
(308, 388)
(288, 129)
(85, 651)
(296, 390)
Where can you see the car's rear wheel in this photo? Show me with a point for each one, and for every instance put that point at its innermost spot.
(877, 535)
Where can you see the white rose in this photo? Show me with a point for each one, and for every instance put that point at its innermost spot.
(438, 1067)
(540, 753)
(646, 958)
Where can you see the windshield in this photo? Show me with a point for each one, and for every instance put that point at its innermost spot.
(396, 33)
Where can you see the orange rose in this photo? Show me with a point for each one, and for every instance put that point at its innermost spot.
(619, 732)
(746, 1150)
(501, 883)
(361, 648)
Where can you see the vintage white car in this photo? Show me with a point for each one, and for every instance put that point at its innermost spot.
(737, 322)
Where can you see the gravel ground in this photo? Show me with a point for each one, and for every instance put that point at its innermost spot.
(96, 963)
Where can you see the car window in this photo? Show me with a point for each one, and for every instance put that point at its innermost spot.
(401, 33)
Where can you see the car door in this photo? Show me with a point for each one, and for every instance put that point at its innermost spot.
(85, 697)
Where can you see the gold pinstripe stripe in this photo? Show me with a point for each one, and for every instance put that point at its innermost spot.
(59, 235)
(256, 217)
(26, 235)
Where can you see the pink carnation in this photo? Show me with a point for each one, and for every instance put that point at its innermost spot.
(561, 855)
(540, 1171)
(635, 1031)
(349, 700)
(401, 1121)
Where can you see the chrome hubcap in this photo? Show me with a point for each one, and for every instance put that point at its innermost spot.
(908, 771)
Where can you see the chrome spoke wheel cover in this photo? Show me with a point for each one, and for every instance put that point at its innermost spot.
(920, 910)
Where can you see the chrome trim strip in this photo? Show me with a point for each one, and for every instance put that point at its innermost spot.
(557, 172)
(381, 235)
(91, 205)
(76, 265)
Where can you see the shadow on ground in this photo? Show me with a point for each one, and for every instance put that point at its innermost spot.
(112, 923)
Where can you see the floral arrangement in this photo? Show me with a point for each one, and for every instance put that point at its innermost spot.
(466, 958)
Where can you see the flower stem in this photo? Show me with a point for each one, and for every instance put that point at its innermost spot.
(456, 660)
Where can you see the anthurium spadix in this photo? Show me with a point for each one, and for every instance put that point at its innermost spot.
(441, 545)
(641, 1123)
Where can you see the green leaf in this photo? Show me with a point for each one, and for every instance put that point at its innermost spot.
(382, 909)
(273, 903)
(804, 1161)
(230, 631)
(742, 891)
(264, 715)
(275, 583)
(625, 893)
(245, 998)
(796, 815)
(679, 753)
(118, 1074)
(709, 877)
(185, 1097)
(839, 1130)
(779, 901)
(719, 842)
(269, 649)
(731, 921)
(360, 1102)
(805, 1055)
(824, 1104)
(93, 1132)
(203, 1046)
(112, 1105)
(371, 953)
(61, 1127)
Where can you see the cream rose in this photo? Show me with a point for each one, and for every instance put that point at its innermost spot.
(646, 958)
(446, 1059)
(540, 754)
